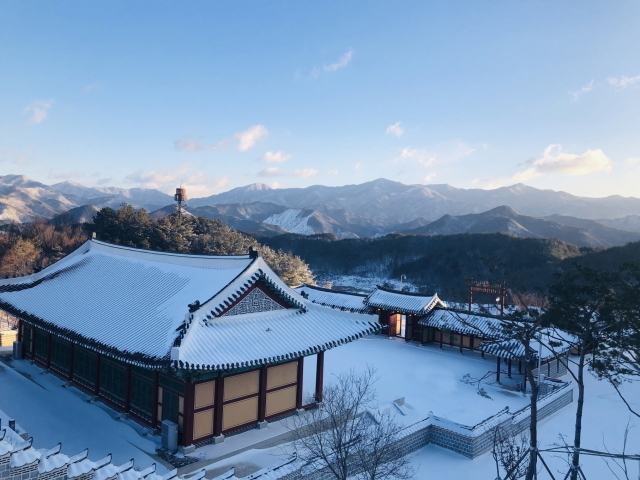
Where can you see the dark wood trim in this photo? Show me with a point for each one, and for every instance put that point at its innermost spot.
(237, 399)
(509, 368)
(471, 340)
(218, 406)
(262, 390)
(299, 381)
(319, 376)
(498, 371)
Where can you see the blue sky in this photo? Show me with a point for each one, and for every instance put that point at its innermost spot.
(294, 93)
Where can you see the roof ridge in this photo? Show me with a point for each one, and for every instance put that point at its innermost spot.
(240, 256)
(329, 290)
(411, 294)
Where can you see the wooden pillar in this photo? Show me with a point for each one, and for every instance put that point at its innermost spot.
(461, 337)
(509, 369)
(20, 327)
(549, 368)
(127, 390)
(440, 338)
(300, 380)
(219, 407)
(96, 389)
(156, 400)
(519, 366)
(498, 371)
(49, 350)
(72, 355)
(262, 395)
(471, 340)
(319, 377)
(524, 383)
(188, 416)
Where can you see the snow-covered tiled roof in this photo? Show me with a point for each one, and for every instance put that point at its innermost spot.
(514, 349)
(225, 343)
(402, 301)
(463, 322)
(136, 304)
(352, 302)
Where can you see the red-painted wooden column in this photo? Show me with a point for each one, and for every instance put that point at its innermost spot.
(299, 380)
(188, 415)
(262, 395)
(319, 377)
(217, 427)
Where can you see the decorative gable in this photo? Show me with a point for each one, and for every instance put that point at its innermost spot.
(255, 301)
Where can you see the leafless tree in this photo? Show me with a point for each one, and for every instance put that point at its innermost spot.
(347, 437)
(508, 453)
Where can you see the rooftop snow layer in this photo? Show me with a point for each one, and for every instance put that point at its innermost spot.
(461, 322)
(332, 298)
(402, 301)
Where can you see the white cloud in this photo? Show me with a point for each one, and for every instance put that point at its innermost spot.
(197, 184)
(104, 181)
(421, 156)
(277, 172)
(305, 173)
(274, 157)
(246, 139)
(395, 129)
(585, 89)
(554, 160)
(271, 172)
(65, 175)
(357, 166)
(276, 185)
(630, 162)
(332, 173)
(345, 60)
(429, 178)
(38, 111)
(92, 87)
(623, 82)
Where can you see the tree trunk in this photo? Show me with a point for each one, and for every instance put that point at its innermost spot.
(575, 463)
(533, 426)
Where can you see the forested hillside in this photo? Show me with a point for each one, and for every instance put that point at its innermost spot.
(30, 247)
(444, 263)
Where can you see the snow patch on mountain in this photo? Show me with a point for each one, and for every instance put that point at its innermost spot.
(291, 221)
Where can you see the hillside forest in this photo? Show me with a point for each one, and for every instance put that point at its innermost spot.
(30, 247)
(431, 263)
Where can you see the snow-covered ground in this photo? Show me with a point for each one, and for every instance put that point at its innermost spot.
(428, 378)
(52, 414)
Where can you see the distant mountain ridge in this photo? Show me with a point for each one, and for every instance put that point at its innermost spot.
(577, 231)
(370, 209)
(393, 202)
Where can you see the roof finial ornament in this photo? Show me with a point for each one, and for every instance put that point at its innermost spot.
(253, 253)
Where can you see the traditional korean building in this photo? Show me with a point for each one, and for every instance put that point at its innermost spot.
(397, 312)
(213, 343)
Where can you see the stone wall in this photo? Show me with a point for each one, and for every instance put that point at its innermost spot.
(470, 442)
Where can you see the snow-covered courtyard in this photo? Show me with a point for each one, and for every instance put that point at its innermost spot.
(428, 378)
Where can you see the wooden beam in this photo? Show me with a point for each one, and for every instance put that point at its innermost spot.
(300, 381)
(319, 377)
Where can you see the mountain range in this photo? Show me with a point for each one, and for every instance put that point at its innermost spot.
(371, 209)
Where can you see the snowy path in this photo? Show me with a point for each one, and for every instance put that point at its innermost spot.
(52, 414)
